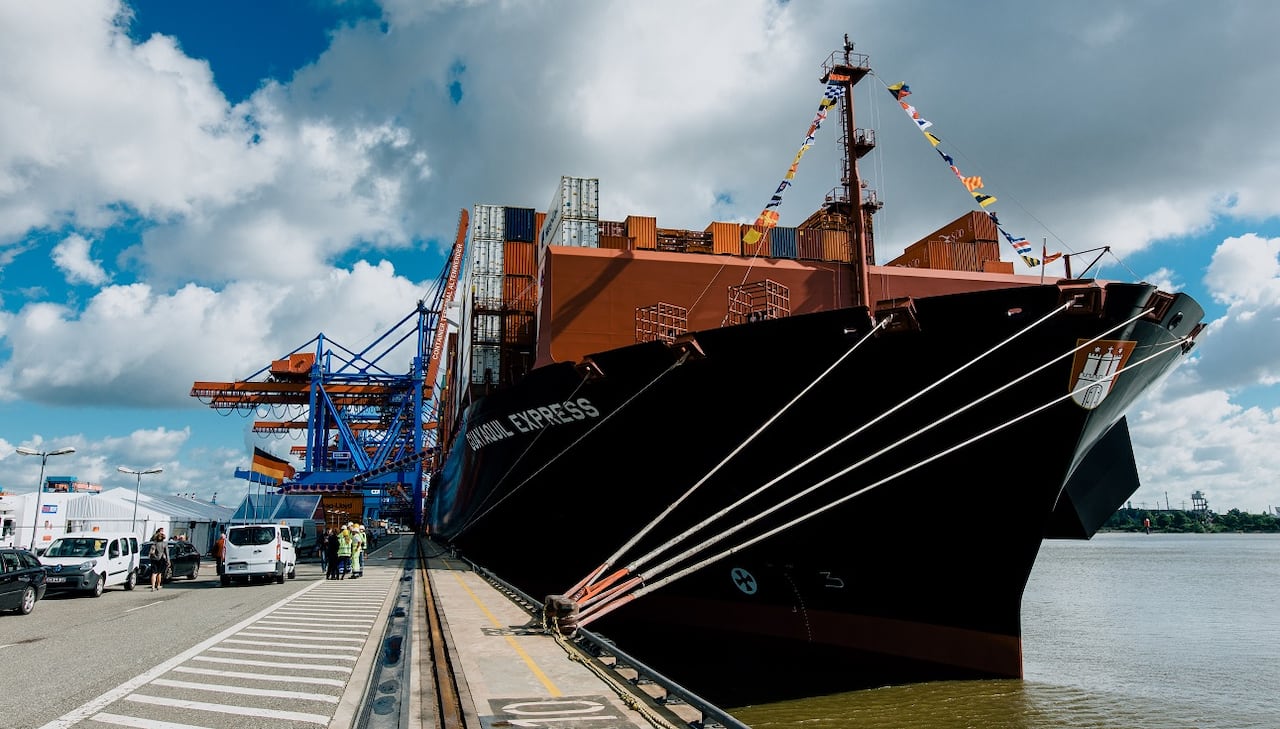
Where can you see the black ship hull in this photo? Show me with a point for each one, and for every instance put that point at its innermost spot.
(909, 562)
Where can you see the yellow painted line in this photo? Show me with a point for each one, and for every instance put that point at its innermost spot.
(528, 660)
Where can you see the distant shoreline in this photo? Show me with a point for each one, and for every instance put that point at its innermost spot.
(1178, 521)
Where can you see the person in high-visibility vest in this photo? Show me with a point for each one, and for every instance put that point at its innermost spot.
(344, 553)
(357, 550)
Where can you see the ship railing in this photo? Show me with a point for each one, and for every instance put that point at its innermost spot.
(625, 666)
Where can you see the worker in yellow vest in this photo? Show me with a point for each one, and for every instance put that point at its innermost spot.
(357, 550)
(344, 552)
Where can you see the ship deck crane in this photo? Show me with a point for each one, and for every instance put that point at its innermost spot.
(366, 425)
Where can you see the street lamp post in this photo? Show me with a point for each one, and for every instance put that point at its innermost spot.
(44, 458)
(137, 486)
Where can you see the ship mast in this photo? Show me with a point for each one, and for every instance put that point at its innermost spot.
(848, 68)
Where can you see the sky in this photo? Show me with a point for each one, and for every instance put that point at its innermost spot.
(191, 190)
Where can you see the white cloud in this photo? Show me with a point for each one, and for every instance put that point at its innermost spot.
(71, 256)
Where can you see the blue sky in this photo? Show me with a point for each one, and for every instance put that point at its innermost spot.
(188, 191)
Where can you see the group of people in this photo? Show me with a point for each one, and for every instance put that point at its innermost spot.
(344, 550)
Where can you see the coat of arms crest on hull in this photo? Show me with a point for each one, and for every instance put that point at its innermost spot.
(1093, 371)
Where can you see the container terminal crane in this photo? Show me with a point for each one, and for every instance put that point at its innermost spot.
(370, 433)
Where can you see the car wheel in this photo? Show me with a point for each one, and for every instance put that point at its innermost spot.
(131, 580)
(195, 572)
(280, 576)
(99, 582)
(28, 601)
(226, 580)
(293, 571)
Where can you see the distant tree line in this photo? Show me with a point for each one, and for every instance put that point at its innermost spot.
(1196, 522)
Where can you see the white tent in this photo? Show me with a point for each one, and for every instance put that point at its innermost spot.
(197, 521)
(54, 509)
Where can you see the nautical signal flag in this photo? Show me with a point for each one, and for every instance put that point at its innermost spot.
(270, 466)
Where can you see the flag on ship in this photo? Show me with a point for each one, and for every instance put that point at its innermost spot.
(271, 466)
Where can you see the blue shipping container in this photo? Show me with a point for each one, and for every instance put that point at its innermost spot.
(782, 242)
(519, 224)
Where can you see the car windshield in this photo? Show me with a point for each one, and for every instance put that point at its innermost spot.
(77, 547)
(248, 536)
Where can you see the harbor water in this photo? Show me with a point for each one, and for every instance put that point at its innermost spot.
(1125, 631)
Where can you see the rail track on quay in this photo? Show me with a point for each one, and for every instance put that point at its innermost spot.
(661, 701)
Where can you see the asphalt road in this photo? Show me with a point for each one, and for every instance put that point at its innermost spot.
(73, 649)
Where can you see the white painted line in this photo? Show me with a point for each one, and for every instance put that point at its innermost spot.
(296, 645)
(92, 707)
(223, 688)
(326, 631)
(142, 607)
(325, 638)
(134, 721)
(228, 709)
(284, 654)
(272, 664)
(261, 676)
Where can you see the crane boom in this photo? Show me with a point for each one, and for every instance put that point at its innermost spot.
(450, 287)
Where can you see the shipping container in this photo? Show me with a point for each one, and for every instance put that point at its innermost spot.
(782, 242)
(519, 259)
(574, 232)
(486, 328)
(613, 228)
(835, 245)
(519, 225)
(486, 256)
(615, 242)
(949, 255)
(643, 231)
(485, 364)
(761, 247)
(576, 198)
(539, 219)
(519, 293)
(486, 292)
(809, 244)
(489, 222)
(518, 329)
(726, 237)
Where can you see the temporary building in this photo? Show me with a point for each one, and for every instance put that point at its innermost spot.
(196, 521)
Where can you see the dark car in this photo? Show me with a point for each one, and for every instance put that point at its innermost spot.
(184, 561)
(21, 580)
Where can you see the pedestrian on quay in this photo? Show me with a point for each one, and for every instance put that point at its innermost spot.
(159, 556)
(219, 550)
(357, 551)
(331, 554)
(344, 552)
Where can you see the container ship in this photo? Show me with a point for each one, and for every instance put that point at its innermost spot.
(766, 465)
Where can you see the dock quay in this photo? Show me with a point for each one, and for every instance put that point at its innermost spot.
(478, 656)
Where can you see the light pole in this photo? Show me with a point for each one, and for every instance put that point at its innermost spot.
(44, 458)
(136, 488)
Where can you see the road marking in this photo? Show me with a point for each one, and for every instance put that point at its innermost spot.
(141, 607)
(92, 707)
(261, 676)
(283, 654)
(269, 664)
(327, 639)
(528, 660)
(228, 708)
(223, 688)
(298, 645)
(326, 631)
(133, 721)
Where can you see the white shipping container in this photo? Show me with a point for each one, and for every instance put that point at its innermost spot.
(486, 329)
(486, 291)
(576, 197)
(573, 232)
(486, 257)
(490, 222)
(485, 359)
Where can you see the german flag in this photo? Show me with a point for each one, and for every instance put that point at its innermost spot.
(270, 466)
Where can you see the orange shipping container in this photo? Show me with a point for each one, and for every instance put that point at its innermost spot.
(643, 231)
(835, 245)
(762, 247)
(538, 219)
(518, 329)
(726, 238)
(519, 293)
(518, 258)
(809, 244)
(615, 242)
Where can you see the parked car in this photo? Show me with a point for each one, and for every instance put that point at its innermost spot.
(184, 561)
(21, 580)
(91, 561)
(259, 551)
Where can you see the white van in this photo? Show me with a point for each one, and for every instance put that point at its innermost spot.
(91, 561)
(259, 550)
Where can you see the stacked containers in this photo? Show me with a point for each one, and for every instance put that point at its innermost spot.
(484, 301)
(782, 242)
(574, 214)
(642, 231)
(726, 237)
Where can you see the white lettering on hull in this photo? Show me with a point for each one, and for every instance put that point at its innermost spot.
(530, 420)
